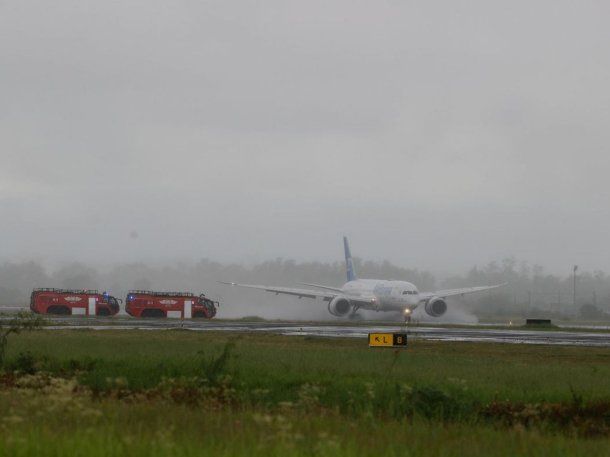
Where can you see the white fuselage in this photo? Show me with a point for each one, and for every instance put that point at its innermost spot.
(388, 295)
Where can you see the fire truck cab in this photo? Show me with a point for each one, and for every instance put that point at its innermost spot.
(73, 302)
(181, 305)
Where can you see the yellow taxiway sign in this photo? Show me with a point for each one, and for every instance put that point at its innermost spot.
(387, 340)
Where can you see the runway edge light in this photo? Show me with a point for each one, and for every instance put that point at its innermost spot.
(388, 340)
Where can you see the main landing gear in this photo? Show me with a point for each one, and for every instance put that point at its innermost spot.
(354, 316)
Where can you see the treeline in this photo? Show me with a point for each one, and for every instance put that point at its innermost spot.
(529, 289)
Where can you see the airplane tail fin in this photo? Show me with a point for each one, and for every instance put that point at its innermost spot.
(349, 263)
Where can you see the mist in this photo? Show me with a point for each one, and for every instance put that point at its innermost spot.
(531, 291)
(437, 135)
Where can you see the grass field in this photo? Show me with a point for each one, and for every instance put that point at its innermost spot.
(193, 393)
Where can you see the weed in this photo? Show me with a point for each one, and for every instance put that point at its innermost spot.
(22, 322)
(25, 362)
(215, 368)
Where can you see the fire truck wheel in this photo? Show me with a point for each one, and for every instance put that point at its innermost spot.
(61, 310)
(103, 312)
(153, 313)
(198, 314)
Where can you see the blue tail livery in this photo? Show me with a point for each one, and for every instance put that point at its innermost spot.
(349, 263)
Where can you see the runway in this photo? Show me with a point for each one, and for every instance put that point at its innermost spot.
(361, 330)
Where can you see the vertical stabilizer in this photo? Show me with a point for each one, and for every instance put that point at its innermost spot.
(349, 263)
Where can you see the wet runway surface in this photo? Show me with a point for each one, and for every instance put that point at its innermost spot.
(514, 336)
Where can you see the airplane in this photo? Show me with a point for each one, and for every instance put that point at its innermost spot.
(372, 294)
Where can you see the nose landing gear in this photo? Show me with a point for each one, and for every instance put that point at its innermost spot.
(407, 316)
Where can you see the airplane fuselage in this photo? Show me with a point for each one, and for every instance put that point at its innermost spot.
(388, 295)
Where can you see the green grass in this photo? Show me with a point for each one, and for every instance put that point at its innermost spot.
(489, 371)
(174, 393)
(183, 432)
(161, 429)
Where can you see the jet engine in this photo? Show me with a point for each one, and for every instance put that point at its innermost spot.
(339, 306)
(436, 307)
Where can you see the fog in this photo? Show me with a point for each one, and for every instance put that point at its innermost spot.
(531, 291)
(439, 135)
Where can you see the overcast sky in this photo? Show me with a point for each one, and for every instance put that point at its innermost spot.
(437, 134)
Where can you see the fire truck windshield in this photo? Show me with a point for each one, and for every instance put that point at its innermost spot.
(113, 302)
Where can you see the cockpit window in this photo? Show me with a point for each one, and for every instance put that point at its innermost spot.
(410, 292)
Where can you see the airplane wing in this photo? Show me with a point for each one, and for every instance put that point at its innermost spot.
(319, 286)
(328, 295)
(454, 292)
(307, 293)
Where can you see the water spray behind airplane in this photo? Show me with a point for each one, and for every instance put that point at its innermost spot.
(372, 294)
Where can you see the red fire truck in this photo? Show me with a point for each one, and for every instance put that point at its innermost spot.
(75, 302)
(181, 305)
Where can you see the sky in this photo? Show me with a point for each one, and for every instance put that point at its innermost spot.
(437, 135)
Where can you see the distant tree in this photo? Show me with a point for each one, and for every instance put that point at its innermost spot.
(76, 276)
(10, 296)
(142, 284)
(18, 279)
(590, 311)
